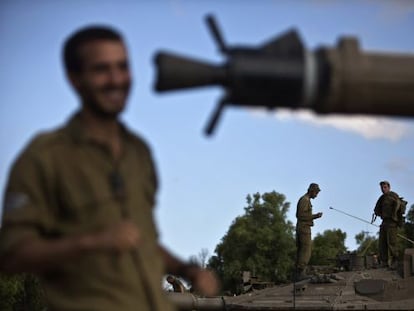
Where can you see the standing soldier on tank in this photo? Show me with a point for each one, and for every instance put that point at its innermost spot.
(177, 285)
(303, 230)
(387, 208)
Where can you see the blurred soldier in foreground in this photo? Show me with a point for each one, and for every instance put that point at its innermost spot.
(78, 208)
(303, 230)
(387, 208)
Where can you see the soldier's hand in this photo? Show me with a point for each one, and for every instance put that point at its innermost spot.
(319, 215)
(121, 237)
(205, 282)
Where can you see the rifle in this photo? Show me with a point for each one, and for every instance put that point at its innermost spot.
(283, 73)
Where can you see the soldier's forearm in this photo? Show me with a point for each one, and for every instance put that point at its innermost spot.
(35, 255)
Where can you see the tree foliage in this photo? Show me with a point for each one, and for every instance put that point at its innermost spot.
(21, 292)
(327, 246)
(260, 241)
(409, 227)
(367, 244)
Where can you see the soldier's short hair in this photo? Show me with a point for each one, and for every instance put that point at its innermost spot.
(71, 58)
(314, 186)
(384, 182)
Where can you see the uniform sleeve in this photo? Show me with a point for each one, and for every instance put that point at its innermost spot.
(304, 212)
(24, 212)
(377, 209)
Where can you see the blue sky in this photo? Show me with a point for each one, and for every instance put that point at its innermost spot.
(204, 181)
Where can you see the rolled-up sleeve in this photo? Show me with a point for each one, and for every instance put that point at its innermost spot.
(24, 204)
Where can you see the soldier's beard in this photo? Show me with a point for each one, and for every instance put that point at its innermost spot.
(99, 106)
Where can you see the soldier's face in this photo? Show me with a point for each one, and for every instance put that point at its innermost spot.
(313, 194)
(104, 81)
(385, 188)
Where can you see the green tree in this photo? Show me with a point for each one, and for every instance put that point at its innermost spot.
(407, 231)
(409, 227)
(21, 292)
(260, 241)
(10, 289)
(327, 246)
(367, 244)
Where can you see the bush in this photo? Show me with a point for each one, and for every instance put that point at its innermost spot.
(21, 293)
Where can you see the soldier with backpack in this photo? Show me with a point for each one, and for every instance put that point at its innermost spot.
(390, 207)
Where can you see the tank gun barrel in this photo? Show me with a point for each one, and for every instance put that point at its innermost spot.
(283, 73)
(187, 301)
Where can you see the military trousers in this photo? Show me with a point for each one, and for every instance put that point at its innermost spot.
(388, 243)
(304, 246)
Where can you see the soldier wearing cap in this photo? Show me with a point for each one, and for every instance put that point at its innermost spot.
(386, 208)
(303, 229)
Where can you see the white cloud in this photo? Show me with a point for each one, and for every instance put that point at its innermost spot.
(368, 127)
(395, 10)
(400, 164)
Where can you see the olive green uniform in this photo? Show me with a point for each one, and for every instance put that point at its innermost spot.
(303, 231)
(387, 207)
(64, 184)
